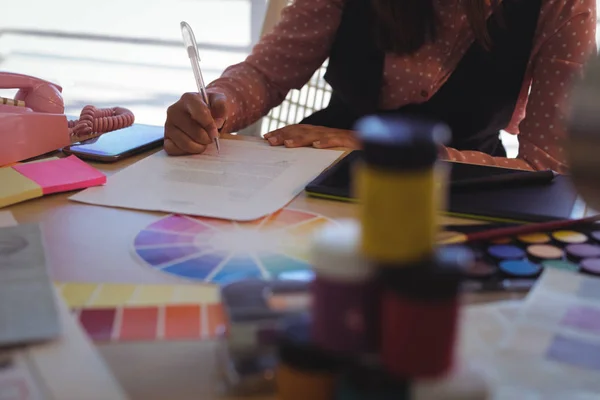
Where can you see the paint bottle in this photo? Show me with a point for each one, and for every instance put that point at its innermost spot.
(345, 297)
(304, 371)
(252, 317)
(419, 315)
(247, 355)
(246, 373)
(399, 184)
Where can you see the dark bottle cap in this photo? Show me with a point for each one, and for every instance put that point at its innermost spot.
(400, 142)
(254, 363)
(247, 300)
(438, 278)
(297, 351)
(289, 286)
(371, 382)
(246, 293)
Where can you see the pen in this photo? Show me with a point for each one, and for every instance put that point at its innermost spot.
(189, 40)
(505, 180)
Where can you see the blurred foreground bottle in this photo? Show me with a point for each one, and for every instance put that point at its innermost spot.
(583, 143)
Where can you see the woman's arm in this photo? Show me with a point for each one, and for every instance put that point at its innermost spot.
(284, 59)
(566, 38)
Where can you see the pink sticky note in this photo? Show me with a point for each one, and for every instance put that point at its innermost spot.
(61, 175)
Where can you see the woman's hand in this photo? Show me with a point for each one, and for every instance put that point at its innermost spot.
(309, 135)
(191, 125)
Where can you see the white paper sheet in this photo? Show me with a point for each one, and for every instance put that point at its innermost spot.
(485, 327)
(7, 219)
(17, 378)
(554, 349)
(248, 180)
(548, 347)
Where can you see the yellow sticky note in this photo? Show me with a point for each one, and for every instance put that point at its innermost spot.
(16, 188)
(153, 295)
(112, 295)
(197, 294)
(78, 294)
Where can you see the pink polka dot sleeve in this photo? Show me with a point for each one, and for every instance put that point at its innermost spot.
(566, 38)
(284, 59)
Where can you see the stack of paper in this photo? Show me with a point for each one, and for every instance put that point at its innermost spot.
(67, 367)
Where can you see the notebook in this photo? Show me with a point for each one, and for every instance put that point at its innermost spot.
(555, 201)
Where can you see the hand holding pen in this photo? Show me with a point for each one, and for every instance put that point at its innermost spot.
(194, 121)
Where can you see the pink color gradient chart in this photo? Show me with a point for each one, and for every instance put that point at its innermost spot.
(221, 251)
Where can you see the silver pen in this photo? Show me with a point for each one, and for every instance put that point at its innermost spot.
(189, 40)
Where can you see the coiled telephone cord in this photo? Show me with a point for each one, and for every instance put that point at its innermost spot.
(96, 121)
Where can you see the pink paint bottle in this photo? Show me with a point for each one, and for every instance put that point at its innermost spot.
(345, 300)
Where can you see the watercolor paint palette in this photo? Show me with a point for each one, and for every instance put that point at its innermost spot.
(112, 312)
(515, 263)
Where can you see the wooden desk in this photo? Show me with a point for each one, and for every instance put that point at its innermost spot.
(98, 240)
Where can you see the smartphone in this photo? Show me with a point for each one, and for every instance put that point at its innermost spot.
(117, 145)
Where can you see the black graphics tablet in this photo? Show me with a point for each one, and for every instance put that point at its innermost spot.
(557, 200)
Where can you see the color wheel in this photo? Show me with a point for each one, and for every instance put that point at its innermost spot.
(221, 251)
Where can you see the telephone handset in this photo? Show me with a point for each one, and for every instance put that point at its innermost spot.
(33, 123)
(37, 94)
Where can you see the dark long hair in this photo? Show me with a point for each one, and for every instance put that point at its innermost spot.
(403, 26)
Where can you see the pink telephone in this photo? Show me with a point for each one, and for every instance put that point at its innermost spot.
(34, 123)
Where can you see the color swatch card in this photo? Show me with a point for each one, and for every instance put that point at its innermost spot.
(220, 251)
(26, 181)
(123, 312)
(553, 349)
(27, 306)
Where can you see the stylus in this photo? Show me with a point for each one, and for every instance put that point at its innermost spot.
(505, 181)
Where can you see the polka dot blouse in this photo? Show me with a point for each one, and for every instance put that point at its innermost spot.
(287, 57)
